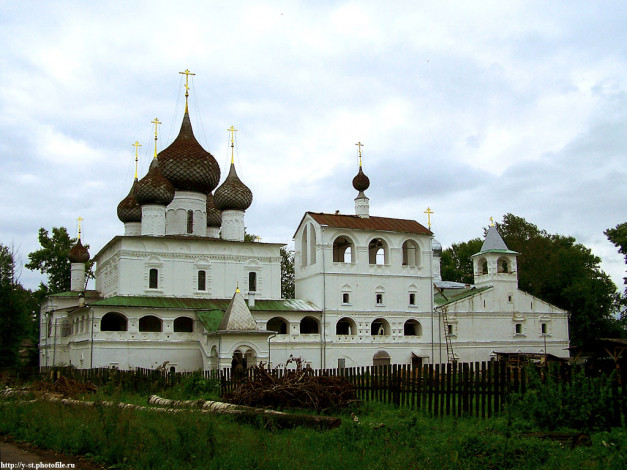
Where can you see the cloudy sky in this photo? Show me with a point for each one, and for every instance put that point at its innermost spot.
(475, 109)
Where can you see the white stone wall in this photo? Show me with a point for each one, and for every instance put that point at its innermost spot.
(177, 213)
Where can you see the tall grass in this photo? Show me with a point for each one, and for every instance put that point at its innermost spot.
(382, 438)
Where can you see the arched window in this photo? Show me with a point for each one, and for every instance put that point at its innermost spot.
(278, 325)
(183, 325)
(113, 321)
(308, 326)
(150, 323)
(345, 327)
(252, 281)
(483, 266)
(411, 253)
(153, 278)
(202, 280)
(312, 245)
(380, 327)
(378, 252)
(190, 221)
(343, 249)
(412, 328)
(303, 246)
(502, 265)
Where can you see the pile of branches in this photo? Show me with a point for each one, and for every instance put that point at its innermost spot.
(295, 388)
(65, 387)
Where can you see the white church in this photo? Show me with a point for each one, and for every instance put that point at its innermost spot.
(181, 289)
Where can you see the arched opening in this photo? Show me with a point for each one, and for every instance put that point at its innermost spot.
(381, 358)
(303, 247)
(343, 249)
(380, 327)
(378, 252)
(252, 281)
(250, 358)
(309, 326)
(483, 266)
(502, 265)
(153, 278)
(213, 358)
(113, 321)
(190, 221)
(312, 245)
(411, 253)
(151, 324)
(238, 364)
(202, 280)
(412, 328)
(278, 325)
(183, 325)
(345, 327)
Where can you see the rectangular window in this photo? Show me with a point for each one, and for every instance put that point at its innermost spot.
(379, 299)
(518, 328)
(153, 279)
(449, 329)
(202, 280)
(345, 298)
(252, 282)
(544, 328)
(412, 299)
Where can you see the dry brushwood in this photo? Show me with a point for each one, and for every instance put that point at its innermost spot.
(293, 388)
(65, 387)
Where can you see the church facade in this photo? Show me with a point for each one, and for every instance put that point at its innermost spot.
(182, 289)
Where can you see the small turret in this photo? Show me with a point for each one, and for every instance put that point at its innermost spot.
(78, 256)
(361, 182)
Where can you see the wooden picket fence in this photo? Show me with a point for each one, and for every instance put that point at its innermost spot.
(479, 389)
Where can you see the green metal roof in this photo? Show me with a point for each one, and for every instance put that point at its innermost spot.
(210, 319)
(287, 305)
(440, 300)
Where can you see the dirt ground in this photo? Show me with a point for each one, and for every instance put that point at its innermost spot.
(21, 453)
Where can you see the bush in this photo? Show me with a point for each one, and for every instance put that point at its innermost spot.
(583, 403)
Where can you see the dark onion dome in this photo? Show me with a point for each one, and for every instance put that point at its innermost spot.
(129, 209)
(233, 194)
(214, 218)
(78, 253)
(154, 188)
(361, 182)
(187, 165)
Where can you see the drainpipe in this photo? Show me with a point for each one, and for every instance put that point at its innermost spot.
(269, 338)
(54, 344)
(91, 353)
(431, 295)
(323, 343)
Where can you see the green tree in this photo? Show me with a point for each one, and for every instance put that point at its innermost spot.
(15, 301)
(287, 274)
(51, 259)
(456, 261)
(618, 236)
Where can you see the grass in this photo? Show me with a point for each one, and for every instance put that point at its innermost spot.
(384, 437)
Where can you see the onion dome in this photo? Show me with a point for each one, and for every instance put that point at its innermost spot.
(78, 253)
(214, 218)
(129, 209)
(154, 188)
(436, 247)
(361, 182)
(233, 194)
(187, 165)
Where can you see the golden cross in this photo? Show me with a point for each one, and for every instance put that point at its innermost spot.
(80, 219)
(187, 73)
(359, 145)
(156, 122)
(232, 130)
(136, 145)
(429, 212)
(491, 222)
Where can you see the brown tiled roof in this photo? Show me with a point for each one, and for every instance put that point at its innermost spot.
(369, 223)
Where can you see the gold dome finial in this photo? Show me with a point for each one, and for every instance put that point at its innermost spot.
(491, 222)
(80, 219)
(156, 122)
(136, 145)
(237, 288)
(232, 131)
(187, 73)
(359, 145)
(429, 212)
